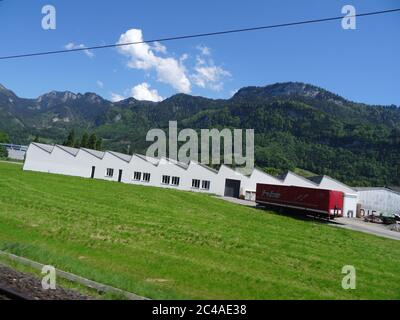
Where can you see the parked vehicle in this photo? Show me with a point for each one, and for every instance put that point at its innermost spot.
(390, 220)
(373, 219)
(327, 203)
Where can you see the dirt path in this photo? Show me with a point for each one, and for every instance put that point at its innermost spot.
(31, 286)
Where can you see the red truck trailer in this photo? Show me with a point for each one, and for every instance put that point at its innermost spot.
(305, 200)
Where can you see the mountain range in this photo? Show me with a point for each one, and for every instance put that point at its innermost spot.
(297, 125)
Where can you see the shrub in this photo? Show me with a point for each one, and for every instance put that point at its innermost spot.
(3, 152)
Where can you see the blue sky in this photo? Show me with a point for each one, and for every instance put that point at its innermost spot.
(361, 65)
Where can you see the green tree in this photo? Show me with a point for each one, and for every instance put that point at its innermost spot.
(4, 138)
(92, 141)
(99, 144)
(36, 139)
(70, 142)
(3, 152)
(85, 140)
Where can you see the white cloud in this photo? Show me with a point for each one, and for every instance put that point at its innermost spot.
(170, 70)
(142, 56)
(115, 97)
(183, 58)
(100, 83)
(158, 47)
(206, 74)
(210, 77)
(200, 61)
(71, 46)
(143, 92)
(205, 51)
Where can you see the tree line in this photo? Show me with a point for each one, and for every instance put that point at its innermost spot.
(3, 139)
(85, 141)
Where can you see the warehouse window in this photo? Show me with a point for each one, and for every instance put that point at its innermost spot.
(206, 185)
(175, 181)
(109, 173)
(137, 176)
(146, 177)
(196, 184)
(166, 179)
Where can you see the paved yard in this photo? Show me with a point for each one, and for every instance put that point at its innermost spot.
(239, 201)
(372, 228)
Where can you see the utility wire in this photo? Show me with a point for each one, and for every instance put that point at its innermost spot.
(200, 35)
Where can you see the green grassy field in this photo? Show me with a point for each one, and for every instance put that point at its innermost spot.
(172, 245)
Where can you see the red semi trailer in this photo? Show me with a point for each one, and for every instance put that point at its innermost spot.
(305, 200)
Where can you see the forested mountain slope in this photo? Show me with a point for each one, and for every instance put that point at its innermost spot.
(297, 125)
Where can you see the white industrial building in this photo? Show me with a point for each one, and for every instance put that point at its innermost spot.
(135, 169)
(142, 170)
(167, 173)
(15, 152)
(378, 201)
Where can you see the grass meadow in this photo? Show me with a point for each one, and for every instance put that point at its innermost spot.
(167, 244)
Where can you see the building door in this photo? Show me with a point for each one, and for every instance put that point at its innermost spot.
(93, 172)
(120, 176)
(232, 188)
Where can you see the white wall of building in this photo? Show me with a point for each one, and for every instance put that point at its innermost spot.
(350, 205)
(202, 173)
(65, 163)
(85, 161)
(111, 161)
(38, 158)
(170, 169)
(379, 201)
(16, 154)
(139, 164)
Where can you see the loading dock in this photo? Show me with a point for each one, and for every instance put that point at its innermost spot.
(232, 188)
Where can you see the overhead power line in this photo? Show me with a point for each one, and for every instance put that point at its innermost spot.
(200, 35)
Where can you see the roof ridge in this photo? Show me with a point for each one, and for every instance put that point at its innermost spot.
(301, 177)
(266, 173)
(118, 155)
(39, 145)
(339, 182)
(65, 149)
(91, 150)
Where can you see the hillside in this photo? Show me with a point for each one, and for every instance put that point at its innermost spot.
(185, 245)
(297, 126)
